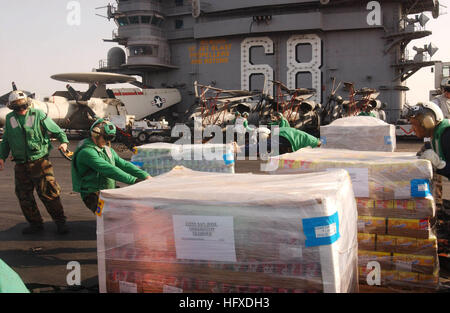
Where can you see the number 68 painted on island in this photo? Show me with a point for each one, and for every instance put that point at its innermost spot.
(294, 67)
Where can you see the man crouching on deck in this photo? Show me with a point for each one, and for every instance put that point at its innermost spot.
(95, 166)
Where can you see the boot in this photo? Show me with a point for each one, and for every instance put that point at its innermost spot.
(33, 229)
(61, 228)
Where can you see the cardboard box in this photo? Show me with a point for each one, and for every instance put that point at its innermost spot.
(417, 228)
(372, 225)
(417, 208)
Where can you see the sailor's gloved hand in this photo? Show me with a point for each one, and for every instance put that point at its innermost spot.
(425, 147)
(432, 156)
(141, 180)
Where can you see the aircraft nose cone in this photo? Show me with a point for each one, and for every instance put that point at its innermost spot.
(3, 112)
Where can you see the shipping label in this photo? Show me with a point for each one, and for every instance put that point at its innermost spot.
(209, 238)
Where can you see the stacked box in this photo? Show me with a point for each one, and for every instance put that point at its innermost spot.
(400, 208)
(160, 158)
(395, 209)
(375, 175)
(361, 133)
(188, 231)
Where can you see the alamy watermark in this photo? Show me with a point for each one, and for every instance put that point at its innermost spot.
(374, 273)
(250, 143)
(74, 13)
(374, 16)
(73, 278)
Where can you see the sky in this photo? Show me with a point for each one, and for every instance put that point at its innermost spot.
(422, 82)
(37, 41)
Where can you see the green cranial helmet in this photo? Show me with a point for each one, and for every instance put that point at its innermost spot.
(245, 114)
(237, 114)
(103, 128)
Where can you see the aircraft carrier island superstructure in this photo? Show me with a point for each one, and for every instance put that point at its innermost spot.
(243, 44)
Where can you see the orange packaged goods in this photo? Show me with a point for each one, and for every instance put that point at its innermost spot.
(366, 241)
(427, 246)
(414, 263)
(398, 244)
(383, 258)
(386, 243)
(418, 228)
(406, 208)
(372, 225)
(375, 175)
(188, 231)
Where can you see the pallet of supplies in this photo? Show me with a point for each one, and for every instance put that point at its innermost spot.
(188, 231)
(406, 227)
(399, 271)
(160, 158)
(375, 175)
(362, 133)
(395, 212)
(417, 208)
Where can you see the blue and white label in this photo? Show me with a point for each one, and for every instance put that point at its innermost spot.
(321, 231)
(138, 164)
(420, 188)
(323, 140)
(228, 158)
(325, 231)
(387, 140)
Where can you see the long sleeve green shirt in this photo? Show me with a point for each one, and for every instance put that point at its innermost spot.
(283, 122)
(27, 138)
(10, 282)
(298, 139)
(367, 114)
(95, 169)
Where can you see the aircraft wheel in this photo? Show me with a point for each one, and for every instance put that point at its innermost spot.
(142, 137)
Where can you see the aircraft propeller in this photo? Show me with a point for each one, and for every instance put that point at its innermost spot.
(82, 100)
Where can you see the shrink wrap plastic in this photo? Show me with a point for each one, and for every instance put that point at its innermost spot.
(188, 231)
(160, 158)
(362, 133)
(375, 175)
(395, 210)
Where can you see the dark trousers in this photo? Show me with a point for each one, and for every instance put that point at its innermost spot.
(38, 175)
(91, 201)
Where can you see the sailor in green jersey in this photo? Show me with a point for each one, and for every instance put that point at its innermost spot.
(245, 122)
(367, 110)
(280, 120)
(236, 116)
(95, 166)
(291, 139)
(365, 113)
(27, 138)
(428, 121)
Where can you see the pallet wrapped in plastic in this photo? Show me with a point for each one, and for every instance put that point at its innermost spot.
(375, 175)
(188, 231)
(160, 158)
(416, 208)
(362, 133)
(399, 271)
(406, 227)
